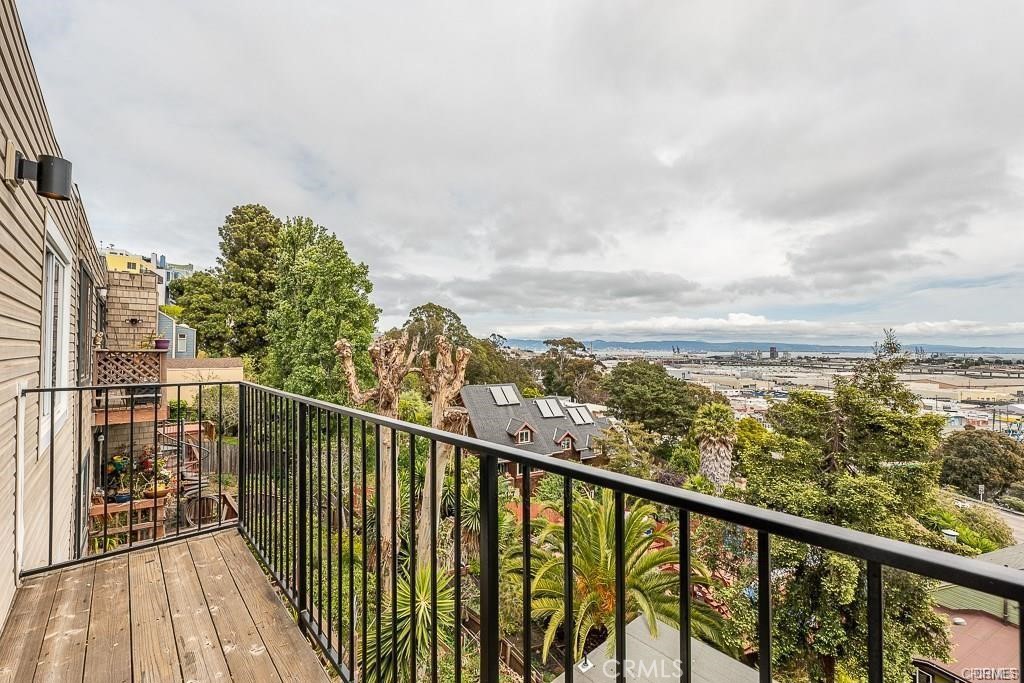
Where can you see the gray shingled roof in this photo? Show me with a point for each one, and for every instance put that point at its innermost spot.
(652, 659)
(491, 422)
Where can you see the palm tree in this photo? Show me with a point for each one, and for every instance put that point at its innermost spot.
(652, 581)
(714, 427)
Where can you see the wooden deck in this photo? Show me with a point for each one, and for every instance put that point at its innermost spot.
(195, 610)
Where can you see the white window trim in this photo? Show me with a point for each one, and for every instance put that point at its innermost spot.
(527, 433)
(180, 343)
(56, 242)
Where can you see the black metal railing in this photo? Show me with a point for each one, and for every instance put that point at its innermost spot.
(286, 436)
(333, 502)
(140, 472)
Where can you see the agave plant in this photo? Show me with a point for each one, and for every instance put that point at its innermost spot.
(651, 578)
(382, 670)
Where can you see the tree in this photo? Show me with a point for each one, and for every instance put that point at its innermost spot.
(978, 457)
(644, 392)
(249, 272)
(230, 305)
(862, 459)
(201, 297)
(321, 295)
(714, 428)
(652, 588)
(490, 362)
(393, 357)
(444, 377)
(567, 369)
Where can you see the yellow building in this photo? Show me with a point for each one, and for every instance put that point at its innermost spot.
(124, 262)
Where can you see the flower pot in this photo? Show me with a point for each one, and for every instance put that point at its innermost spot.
(163, 344)
(160, 492)
(122, 497)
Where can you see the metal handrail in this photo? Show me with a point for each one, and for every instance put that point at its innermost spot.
(929, 562)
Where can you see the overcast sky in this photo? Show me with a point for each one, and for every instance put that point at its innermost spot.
(624, 169)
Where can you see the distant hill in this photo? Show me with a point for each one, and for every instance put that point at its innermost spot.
(691, 345)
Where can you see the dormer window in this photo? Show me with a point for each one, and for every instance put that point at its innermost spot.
(566, 442)
(524, 436)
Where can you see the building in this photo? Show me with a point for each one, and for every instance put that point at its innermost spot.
(168, 272)
(654, 658)
(193, 370)
(51, 290)
(182, 338)
(121, 261)
(984, 629)
(550, 425)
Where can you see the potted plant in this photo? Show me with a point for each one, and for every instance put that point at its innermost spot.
(155, 477)
(116, 479)
(162, 343)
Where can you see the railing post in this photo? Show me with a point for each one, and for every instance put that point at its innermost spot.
(302, 513)
(489, 569)
(243, 446)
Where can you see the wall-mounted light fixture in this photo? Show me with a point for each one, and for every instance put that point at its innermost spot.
(52, 175)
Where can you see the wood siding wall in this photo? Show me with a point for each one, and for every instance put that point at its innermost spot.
(24, 119)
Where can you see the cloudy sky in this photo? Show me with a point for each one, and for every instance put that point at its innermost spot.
(604, 168)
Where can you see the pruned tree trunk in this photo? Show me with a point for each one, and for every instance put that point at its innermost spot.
(716, 462)
(444, 380)
(393, 358)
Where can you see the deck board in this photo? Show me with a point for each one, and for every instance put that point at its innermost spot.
(244, 649)
(25, 628)
(108, 655)
(62, 655)
(265, 608)
(199, 650)
(154, 656)
(193, 610)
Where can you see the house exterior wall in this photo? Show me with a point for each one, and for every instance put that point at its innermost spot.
(203, 370)
(23, 220)
(170, 329)
(131, 296)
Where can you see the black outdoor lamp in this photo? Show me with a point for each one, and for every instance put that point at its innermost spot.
(51, 174)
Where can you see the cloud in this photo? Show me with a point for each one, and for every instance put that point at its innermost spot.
(746, 327)
(541, 164)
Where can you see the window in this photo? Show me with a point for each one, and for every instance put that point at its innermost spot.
(566, 442)
(56, 332)
(524, 436)
(923, 677)
(132, 265)
(182, 343)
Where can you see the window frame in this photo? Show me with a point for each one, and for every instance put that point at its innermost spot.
(519, 436)
(55, 247)
(180, 343)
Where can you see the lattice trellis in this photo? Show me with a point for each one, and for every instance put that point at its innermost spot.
(128, 367)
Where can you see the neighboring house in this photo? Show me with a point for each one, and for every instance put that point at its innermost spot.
(984, 630)
(51, 283)
(656, 658)
(121, 261)
(182, 337)
(202, 370)
(550, 425)
(168, 272)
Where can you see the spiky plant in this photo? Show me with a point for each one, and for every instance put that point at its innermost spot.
(382, 670)
(651, 577)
